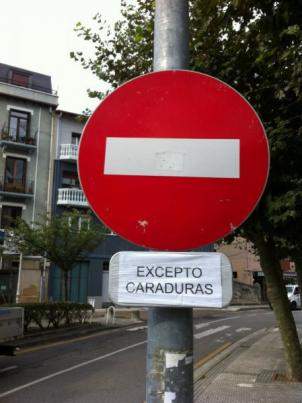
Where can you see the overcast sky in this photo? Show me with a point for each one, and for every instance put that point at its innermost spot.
(38, 35)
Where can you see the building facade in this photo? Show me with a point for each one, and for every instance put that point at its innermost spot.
(27, 105)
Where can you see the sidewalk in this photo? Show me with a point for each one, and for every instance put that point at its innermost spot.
(250, 371)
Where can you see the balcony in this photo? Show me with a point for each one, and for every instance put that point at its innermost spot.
(16, 188)
(71, 197)
(68, 152)
(9, 140)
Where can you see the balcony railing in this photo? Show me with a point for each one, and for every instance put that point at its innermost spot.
(68, 152)
(10, 136)
(16, 186)
(71, 197)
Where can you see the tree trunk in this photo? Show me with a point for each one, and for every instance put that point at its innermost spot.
(65, 286)
(278, 297)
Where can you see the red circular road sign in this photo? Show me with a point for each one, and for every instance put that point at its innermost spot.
(173, 160)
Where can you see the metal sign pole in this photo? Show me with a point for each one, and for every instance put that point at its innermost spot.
(170, 330)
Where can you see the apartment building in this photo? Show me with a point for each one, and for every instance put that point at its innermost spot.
(27, 105)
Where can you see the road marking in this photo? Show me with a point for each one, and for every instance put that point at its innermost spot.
(7, 369)
(243, 329)
(134, 329)
(210, 331)
(64, 371)
(211, 355)
(181, 157)
(252, 314)
(201, 325)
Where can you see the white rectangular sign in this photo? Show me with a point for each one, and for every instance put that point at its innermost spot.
(193, 158)
(183, 279)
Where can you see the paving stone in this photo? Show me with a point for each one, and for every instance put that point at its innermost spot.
(249, 376)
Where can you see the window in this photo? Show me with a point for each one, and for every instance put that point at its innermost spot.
(235, 274)
(75, 138)
(70, 179)
(15, 174)
(79, 223)
(19, 125)
(19, 78)
(9, 215)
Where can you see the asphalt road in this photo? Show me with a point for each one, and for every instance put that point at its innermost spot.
(109, 366)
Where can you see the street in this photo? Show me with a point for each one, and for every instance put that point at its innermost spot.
(110, 366)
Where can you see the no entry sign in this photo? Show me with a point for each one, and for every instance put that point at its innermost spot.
(173, 160)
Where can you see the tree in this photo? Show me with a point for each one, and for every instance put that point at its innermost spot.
(63, 240)
(123, 54)
(256, 47)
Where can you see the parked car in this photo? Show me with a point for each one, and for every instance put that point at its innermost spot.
(293, 294)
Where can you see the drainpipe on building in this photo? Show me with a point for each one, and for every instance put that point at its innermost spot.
(18, 292)
(52, 155)
(57, 132)
(42, 281)
(36, 171)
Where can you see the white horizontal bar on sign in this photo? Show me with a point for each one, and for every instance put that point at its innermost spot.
(195, 158)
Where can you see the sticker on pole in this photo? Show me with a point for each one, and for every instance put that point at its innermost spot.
(170, 279)
(173, 160)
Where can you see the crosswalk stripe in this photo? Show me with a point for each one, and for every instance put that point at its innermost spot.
(201, 325)
(210, 331)
(133, 329)
(7, 369)
(243, 329)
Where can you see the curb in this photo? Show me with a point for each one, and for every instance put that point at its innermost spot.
(234, 308)
(220, 356)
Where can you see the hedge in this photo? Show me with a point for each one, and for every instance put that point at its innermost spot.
(55, 314)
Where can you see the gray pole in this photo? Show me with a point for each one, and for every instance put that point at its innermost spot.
(170, 330)
(171, 35)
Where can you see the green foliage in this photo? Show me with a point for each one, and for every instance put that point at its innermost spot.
(63, 240)
(123, 53)
(55, 314)
(85, 115)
